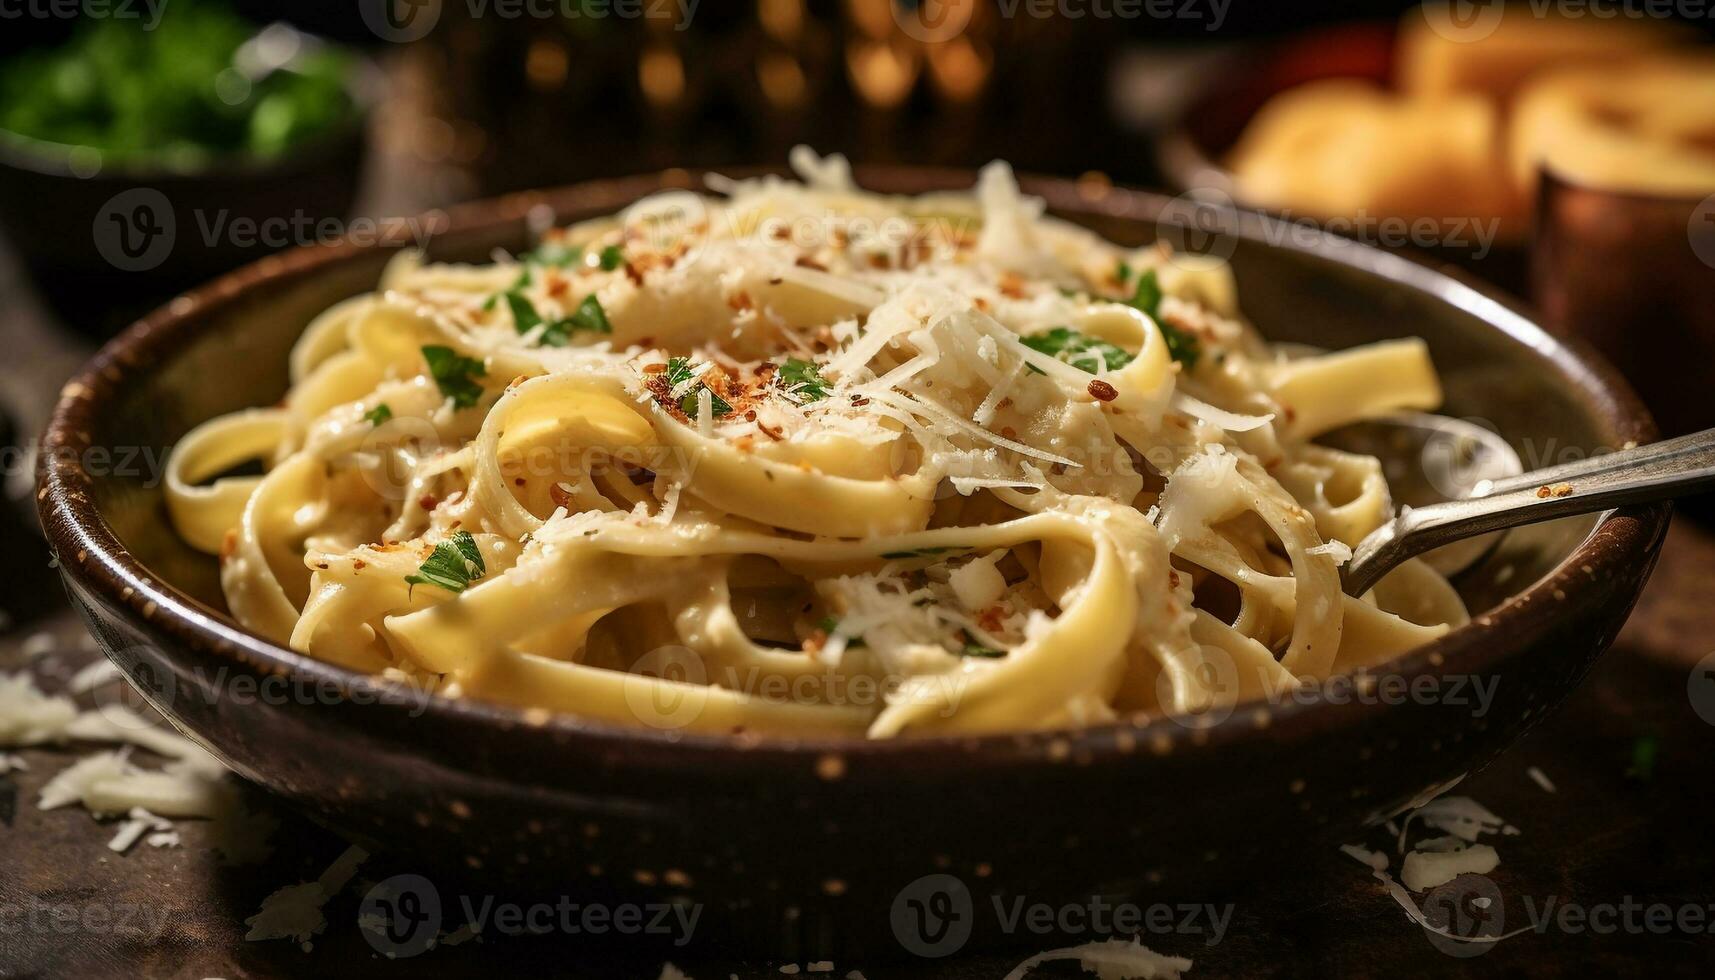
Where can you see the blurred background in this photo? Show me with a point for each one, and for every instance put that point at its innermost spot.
(1563, 149)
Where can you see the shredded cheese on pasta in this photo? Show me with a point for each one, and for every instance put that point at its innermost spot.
(804, 459)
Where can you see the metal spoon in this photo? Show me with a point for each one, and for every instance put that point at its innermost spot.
(1643, 474)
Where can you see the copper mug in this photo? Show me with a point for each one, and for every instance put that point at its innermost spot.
(1634, 275)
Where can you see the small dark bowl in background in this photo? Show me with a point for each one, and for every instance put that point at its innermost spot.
(807, 848)
(1633, 275)
(1192, 149)
(107, 247)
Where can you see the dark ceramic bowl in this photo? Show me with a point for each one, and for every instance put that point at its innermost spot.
(104, 247)
(802, 847)
(1192, 149)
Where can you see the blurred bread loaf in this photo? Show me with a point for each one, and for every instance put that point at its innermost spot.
(1646, 127)
(1484, 49)
(1348, 148)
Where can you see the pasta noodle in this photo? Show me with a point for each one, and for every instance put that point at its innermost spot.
(796, 458)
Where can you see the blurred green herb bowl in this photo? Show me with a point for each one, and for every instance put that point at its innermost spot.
(136, 163)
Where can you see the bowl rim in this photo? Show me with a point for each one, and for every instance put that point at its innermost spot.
(92, 558)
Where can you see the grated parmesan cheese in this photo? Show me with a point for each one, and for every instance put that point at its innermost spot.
(1113, 959)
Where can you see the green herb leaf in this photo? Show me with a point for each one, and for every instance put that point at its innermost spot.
(718, 406)
(453, 374)
(830, 626)
(1084, 353)
(804, 380)
(1123, 271)
(524, 315)
(1147, 295)
(978, 650)
(612, 257)
(522, 281)
(679, 371)
(589, 316)
(453, 565)
(1181, 346)
(554, 253)
(378, 415)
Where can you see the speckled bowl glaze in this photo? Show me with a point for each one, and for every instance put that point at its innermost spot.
(804, 848)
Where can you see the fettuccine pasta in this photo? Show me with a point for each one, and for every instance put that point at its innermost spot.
(794, 458)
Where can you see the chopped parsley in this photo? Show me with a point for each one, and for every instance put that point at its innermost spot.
(1123, 270)
(1084, 353)
(1181, 346)
(378, 415)
(524, 279)
(831, 626)
(978, 650)
(588, 316)
(1147, 294)
(453, 565)
(555, 254)
(679, 371)
(524, 315)
(612, 257)
(803, 379)
(453, 374)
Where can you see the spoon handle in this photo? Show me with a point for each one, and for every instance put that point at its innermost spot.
(1642, 474)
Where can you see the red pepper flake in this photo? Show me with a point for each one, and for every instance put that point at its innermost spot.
(805, 262)
(358, 564)
(1102, 391)
(740, 301)
(427, 501)
(559, 495)
(654, 368)
(1009, 432)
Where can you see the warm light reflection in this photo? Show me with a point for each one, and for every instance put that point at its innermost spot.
(781, 79)
(873, 18)
(882, 73)
(545, 64)
(959, 68)
(782, 19)
(661, 74)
